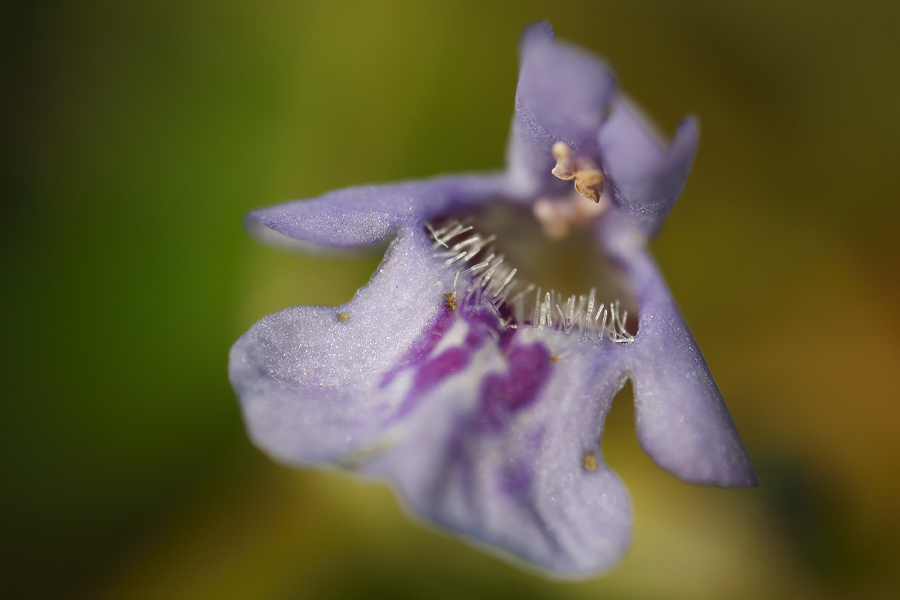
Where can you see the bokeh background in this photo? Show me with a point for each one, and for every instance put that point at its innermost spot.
(136, 135)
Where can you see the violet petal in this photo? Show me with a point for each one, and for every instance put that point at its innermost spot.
(518, 468)
(647, 177)
(310, 378)
(562, 95)
(367, 214)
(682, 421)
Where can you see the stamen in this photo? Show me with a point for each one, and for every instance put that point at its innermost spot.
(587, 176)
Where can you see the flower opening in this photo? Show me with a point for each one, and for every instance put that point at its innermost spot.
(483, 277)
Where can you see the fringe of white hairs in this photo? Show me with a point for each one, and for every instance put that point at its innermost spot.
(492, 281)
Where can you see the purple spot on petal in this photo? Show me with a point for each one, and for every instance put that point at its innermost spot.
(422, 347)
(504, 394)
(483, 325)
(431, 373)
(506, 339)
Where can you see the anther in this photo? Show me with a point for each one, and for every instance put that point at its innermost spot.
(588, 178)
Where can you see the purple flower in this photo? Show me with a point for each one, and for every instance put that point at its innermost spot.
(464, 372)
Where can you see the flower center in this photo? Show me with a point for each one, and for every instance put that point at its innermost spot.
(587, 176)
(502, 258)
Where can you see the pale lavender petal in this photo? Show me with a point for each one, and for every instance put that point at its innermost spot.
(516, 467)
(647, 177)
(682, 420)
(562, 95)
(481, 431)
(310, 378)
(367, 214)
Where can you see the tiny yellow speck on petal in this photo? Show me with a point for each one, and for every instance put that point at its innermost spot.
(590, 462)
(450, 300)
(343, 317)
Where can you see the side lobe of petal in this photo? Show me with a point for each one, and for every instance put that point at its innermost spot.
(682, 421)
(366, 214)
(562, 95)
(647, 177)
(310, 383)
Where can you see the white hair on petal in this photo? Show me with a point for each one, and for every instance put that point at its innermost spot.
(492, 283)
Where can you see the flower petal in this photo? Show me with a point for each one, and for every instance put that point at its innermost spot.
(682, 421)
(367, 214)
(646, 176)
(514, 464)
(481, 430)
(310, 378)
(562, 95)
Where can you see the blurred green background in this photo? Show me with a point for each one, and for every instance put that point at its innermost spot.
(136, 135)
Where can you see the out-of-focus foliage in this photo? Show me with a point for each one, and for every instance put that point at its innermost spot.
(137, 134)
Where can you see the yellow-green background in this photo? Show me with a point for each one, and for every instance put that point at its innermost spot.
(135, 136)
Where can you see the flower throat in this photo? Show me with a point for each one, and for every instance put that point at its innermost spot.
(505, 281)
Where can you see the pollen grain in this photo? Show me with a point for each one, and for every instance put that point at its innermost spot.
(450, 300)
